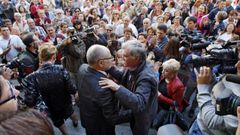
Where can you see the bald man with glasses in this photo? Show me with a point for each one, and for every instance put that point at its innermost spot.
(98, 107)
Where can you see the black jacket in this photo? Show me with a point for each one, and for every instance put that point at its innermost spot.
(98, 107)
(52, 85)
(28, 63)
(138, 93)
(73, 55)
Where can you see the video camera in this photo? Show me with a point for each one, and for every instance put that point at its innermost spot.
(226, 58)
(228, 105)
(194, 42)
(74, 37)
(15, 63)
(90, 30)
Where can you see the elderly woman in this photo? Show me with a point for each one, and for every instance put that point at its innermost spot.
(60, 17)
(176, 27)
(170, 92)
(171, 88)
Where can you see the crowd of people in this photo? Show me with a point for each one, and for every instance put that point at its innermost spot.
(135, 61)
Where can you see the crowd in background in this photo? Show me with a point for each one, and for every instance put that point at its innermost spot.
(50, 44)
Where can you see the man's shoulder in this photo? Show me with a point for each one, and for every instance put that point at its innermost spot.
(1, 39)
(83, 67)
(27, 55)
(119, 26)
(132, 25)
(39, 27)
(147, 71)
(14, 37)
(86, 70)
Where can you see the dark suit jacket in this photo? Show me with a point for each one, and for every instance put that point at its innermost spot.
(138, 93)
(98, 107)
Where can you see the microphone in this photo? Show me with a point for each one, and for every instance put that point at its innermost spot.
(233, 78)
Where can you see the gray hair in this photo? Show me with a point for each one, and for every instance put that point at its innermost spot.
(172, 65)
(147, 19)
(135, 49)
(95, 53)
(17, 14)
(30, 20)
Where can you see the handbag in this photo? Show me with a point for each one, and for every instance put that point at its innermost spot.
(175, 117)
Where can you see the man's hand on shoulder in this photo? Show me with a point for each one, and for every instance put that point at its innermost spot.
(108, 83)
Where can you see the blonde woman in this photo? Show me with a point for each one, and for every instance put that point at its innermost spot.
(54, 85)
(116, 19)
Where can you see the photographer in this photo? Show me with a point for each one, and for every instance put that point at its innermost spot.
(27, 61)
(73, 52)
(113, 44)
(209, 120)
(93, 37)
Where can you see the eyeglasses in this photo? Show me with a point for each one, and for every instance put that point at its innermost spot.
(109, 58)
(5, 30)
(11, 96)
(77, 11)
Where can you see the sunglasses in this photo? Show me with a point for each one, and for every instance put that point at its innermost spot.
(11, 96)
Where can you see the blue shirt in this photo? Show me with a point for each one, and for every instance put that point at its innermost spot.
(158, 49)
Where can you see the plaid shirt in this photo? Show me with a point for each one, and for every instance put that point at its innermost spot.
(42, 34)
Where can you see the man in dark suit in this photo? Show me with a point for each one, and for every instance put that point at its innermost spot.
(98, 107)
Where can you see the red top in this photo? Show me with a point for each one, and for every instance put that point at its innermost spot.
(46, 21)
(56, 40)
(175, 90)
(34, 9)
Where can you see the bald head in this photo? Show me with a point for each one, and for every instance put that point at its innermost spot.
(146, 23)
(31, 23)
(97, 52)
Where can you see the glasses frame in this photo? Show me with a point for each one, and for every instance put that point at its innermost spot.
(12, 96)
(109, 58)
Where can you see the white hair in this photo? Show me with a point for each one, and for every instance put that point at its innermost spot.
(135, 49)
(172, 65)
